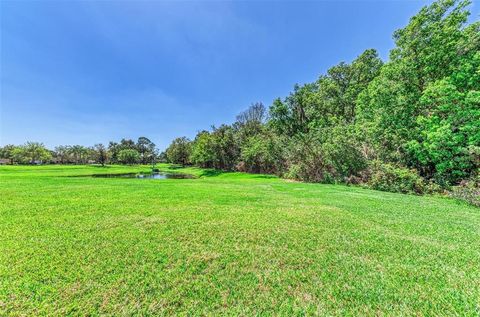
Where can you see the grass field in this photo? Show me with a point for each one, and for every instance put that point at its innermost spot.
(229, 244)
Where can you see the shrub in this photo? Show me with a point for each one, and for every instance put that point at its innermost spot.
(306, 161)
(392, 178)
(468, 191)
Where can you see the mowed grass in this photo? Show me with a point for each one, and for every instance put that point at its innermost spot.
(228, 244)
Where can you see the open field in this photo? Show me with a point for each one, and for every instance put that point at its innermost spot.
(231, 243)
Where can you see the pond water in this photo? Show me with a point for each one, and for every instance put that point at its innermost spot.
(146, 175)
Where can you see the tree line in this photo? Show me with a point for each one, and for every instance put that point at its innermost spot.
(411, 124)
(127, 151)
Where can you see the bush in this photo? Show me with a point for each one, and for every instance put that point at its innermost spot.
(306, 161)
(327, 155)
(342, 153)
(468, 191)
(391, 178)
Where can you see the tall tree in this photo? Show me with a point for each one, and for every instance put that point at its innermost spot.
(202, 153)
(146, 148)
(179, 151)
(431, 69)
(127, 144)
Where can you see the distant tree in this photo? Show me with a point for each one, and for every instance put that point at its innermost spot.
(129, 156)
(146, 148)
(154, 157)
(256, 113)
(31, 153)
(19, 155)
(162, 157)
(37, 152)
(6, 152)
(250, 122)
(179, 151)
(79, 154)
(62, 154)
(127, 144)
(113, 149)
(101, 153)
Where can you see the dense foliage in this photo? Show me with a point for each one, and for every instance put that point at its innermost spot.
(411, 124)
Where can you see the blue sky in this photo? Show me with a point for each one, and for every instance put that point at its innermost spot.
(92, 71)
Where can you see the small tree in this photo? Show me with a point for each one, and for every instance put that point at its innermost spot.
(100, 154)
(128, 156)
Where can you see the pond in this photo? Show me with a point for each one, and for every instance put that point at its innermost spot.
(146, 175)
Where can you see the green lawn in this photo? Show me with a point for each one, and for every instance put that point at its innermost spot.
(229, 244)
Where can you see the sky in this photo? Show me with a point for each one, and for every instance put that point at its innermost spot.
(86, 72)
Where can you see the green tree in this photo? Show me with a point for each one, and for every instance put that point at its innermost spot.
(6, 152)
(62, 154)
(203, 154)
(79, 154)
(101, 153)
(127, 144)
(31, 153)
(146, 149)
(128, 156)
(225, 147)
(179, 151)
(261, 153)
(113, 149)
(391, 125)
(37, 152)
(421, 109)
